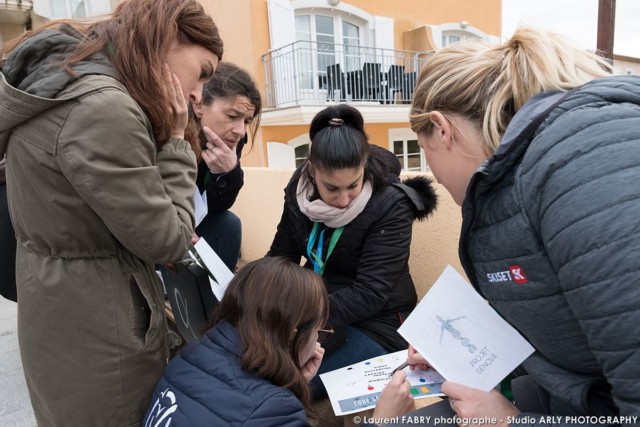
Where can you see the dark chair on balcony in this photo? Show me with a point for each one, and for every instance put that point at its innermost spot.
(410, 80)
(335, 81)
(322, 81)
(355, 85)
(396, 81)
(371, 79)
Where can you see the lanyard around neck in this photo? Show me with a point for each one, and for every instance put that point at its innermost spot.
(316, 258)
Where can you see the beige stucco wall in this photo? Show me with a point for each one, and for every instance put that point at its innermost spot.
(10, 31)
(626, 65)
(259, 206)
(411, 14)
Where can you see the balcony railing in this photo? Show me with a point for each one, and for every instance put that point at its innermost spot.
(22, 5)
(308, 73)
(14, 12)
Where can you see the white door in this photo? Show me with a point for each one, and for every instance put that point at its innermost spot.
(280, 156)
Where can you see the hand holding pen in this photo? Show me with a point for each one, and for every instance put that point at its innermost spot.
(399, 368)
(414, 360)
(396, 398)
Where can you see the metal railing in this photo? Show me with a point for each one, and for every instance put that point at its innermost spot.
(307, 73)
(22, 5)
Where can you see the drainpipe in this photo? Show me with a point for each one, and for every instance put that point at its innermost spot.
(606, 28)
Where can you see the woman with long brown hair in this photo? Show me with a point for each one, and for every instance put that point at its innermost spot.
(100, 186)
(253, 367)
(256, 360)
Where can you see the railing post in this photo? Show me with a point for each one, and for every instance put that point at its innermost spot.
(267, 85)
(296, 80)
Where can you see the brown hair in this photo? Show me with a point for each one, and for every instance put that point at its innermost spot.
(275, 305)
(136, 38)
(487, 84)
(228, 81)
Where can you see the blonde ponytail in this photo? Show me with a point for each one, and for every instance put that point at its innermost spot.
(487, 84)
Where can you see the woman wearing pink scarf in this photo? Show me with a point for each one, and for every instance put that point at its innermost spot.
(347, 213)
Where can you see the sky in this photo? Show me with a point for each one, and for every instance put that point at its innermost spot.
(576, 20)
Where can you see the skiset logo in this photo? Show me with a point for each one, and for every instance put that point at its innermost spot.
(513, 274)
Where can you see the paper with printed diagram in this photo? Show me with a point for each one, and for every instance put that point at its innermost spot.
(201, 208)
(219, 274)
(357, 387)
(462, 336)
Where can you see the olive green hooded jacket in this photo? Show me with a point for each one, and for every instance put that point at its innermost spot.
(94, 204)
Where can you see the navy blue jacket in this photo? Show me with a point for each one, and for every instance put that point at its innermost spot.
(204, 385)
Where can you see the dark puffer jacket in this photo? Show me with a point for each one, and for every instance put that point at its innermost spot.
(367, 276)
(204, 385)
(551, 237)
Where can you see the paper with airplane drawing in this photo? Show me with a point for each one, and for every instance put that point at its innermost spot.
(357, 387)
(462, 337)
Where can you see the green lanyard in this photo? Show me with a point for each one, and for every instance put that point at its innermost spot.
(316, 258)
(207, 179)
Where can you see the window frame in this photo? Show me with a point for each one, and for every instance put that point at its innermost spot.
(297, 142)
(460, 34)
(340, 54)
(405, 135)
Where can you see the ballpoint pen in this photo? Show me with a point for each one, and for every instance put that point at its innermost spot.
(399, 368)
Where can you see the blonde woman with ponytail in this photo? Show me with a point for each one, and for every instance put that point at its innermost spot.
(541, 149)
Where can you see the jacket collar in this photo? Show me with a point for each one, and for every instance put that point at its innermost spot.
(524, 125)
(226, 336)
(529, 113)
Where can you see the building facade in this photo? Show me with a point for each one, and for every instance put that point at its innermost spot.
(308, 54)
(18, 16)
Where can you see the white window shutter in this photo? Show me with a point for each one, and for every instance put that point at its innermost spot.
(98, 7)
(436, 35)
(282, 25)
(282, 82)
(383, 32)
(93, 8)
(281, 156)
(43, 8)
(383, 38)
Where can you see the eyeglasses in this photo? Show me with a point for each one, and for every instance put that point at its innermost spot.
(324, 334)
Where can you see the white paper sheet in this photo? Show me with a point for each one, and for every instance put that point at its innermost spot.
(214, 264)
(462, 337)
(201, 206)
(357, 387)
